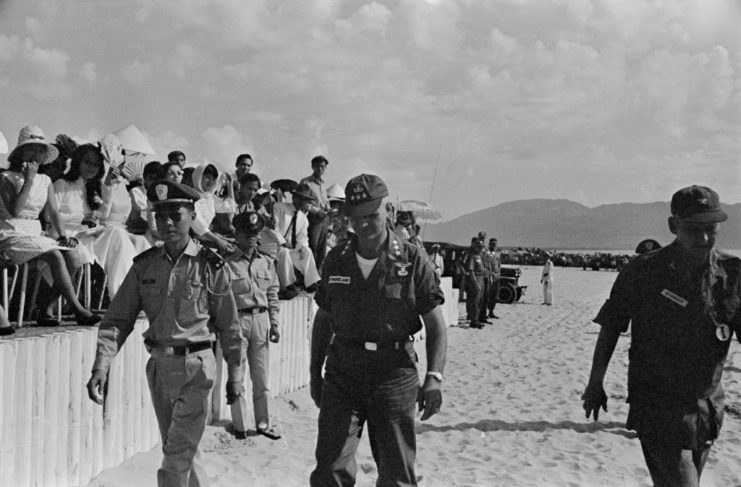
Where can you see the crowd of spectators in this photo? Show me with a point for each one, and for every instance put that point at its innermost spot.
(66, 204)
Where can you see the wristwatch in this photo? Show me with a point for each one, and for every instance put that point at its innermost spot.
(437, 375)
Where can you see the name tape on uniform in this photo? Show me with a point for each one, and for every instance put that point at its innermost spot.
(674, 297)
(339, 279)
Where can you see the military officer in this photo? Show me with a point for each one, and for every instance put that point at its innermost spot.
(373, 291)
(496, 269)
(683, 304)
(185, 292)
(474, 266)
(255, 287)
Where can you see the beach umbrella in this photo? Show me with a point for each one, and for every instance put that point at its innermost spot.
(133, 140)
(3, 144)
(421, 210)
(284, 185)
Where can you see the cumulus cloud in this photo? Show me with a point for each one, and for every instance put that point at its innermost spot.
(51, 63)
(8, 47)
(223, 144)
(89, 72)
(167, 142)
(509, 99)
(137, 73)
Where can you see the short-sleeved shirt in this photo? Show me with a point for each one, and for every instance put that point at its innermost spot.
(387, 305)
(186, 301)
(475, 262)
(676, 356)
(255, 282)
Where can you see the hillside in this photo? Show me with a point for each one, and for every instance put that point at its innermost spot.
(560, 223)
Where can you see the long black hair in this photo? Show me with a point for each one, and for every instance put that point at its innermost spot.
(94, 186)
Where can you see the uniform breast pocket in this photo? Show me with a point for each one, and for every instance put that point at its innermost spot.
(241, 285)
(264, 278)
(196, 293)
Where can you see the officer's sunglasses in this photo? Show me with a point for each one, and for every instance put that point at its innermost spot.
(163, 216)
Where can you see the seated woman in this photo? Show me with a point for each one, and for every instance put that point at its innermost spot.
(224, 205)
(82, 197)
(204, 181)
(24, 193)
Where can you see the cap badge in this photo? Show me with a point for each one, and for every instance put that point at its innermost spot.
(161, 191)
(253, 218)
(702, 201)
(359, 193)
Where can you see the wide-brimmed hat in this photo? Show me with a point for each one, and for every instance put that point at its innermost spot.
(303, 192)
(335, 192)
(31, 134)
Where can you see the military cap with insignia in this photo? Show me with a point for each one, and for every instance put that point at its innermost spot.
(165, 191)
(249, 222)
(363, 195)
(697, 204)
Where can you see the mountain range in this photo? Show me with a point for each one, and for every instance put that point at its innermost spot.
(564, 224)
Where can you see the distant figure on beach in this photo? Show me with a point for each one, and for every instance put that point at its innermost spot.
(373, 291)
(683, 303)
(547, 280)
(474, 267)
(496, 269)
(185, 292)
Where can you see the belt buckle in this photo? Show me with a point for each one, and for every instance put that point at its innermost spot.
(168, 350)
(370, 346)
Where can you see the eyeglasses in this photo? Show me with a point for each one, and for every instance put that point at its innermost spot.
(174, 216)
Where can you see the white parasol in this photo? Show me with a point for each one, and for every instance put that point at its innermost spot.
(133, 140)
(421, 210)
(137, 151)
(3, 144)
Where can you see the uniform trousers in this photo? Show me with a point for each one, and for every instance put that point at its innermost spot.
(484, 299)
(670, 465)
(473, 297)
(375, 387)
(181, 389)
(255, 330)
(493, 298)
(547, 291)
(318, 229)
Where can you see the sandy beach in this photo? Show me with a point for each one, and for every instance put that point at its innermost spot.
(512, 413)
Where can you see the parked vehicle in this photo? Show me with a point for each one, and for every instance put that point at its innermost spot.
(509, 284)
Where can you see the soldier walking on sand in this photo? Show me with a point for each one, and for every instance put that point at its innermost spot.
(184, 289)
(682, 302)
(373, 291)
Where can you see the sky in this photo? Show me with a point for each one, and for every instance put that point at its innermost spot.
(461, 103)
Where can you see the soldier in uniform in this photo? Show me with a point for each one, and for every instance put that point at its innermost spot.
(255, 287)
(488, 264)
(474, 266)
(496, 269)
(683, 303)
(373, 291)
(185, 292)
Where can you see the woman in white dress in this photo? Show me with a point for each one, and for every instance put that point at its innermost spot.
(84, 200)
(204, 180)
(547, 280)
(24, 194)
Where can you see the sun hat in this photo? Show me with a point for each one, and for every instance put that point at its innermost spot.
(303, 192)
(31, 134)
(335, 192)
(697, 204)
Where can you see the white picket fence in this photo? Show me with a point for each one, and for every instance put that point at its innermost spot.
(51, 434)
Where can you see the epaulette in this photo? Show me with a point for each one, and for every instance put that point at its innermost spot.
(212, 257)
(146, 253)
